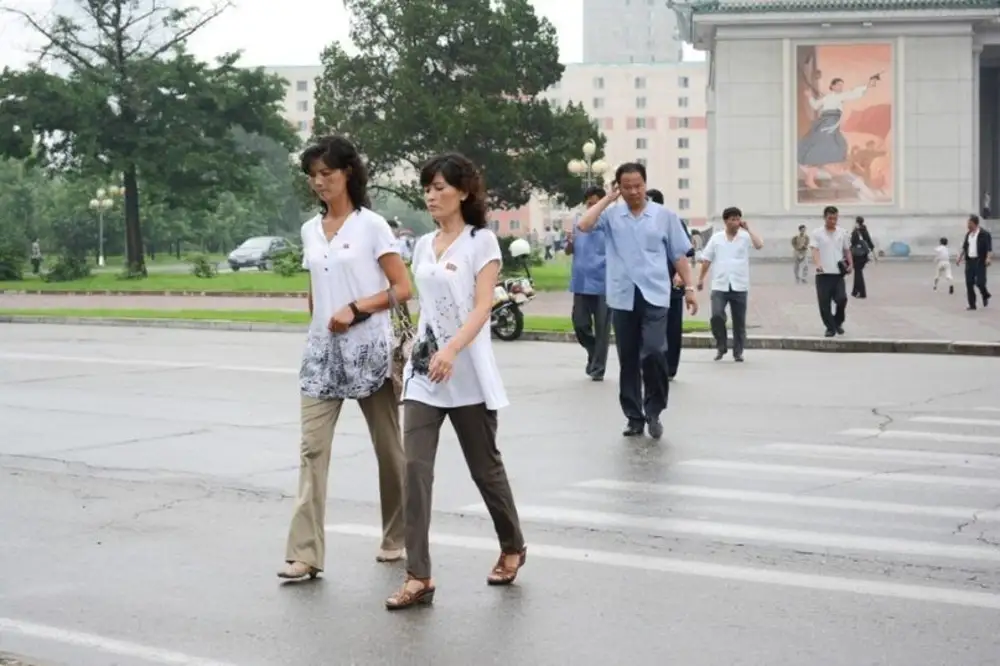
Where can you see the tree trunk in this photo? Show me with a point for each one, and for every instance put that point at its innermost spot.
(135, 252)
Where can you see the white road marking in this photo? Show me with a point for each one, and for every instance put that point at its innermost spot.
(707, 570)
(835, 473)
(104, 644)
(918, 434)
(765, 535)
(152, 363)
(955, 512)
(915, 456)
(954, 420)
(988, 409)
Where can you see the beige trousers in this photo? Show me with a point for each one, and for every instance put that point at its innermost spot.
(307, 536)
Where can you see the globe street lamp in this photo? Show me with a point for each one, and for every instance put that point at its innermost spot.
(101, 203)
(588, 169)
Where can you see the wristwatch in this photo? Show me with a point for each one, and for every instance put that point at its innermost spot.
(687, 288)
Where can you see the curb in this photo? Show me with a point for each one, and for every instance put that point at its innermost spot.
(691, 340)
(144, 292)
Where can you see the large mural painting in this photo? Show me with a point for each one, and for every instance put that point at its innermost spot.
(844, 110)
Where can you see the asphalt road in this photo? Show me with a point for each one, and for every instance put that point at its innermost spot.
(803, 509)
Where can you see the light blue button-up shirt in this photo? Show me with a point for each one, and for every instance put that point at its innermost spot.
(589, 261)
(638, 250)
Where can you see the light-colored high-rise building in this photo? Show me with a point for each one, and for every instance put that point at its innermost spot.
(300, 92)
(630, 31)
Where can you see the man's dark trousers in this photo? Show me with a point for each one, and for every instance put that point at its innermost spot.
(737, 302)
(830, 287)
(675, 329)
(592, 325)
(975, 276)
(641, 340)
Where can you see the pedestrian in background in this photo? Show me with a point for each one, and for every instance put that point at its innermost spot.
(591, 317)
(642, 237)
(862, 248)
(800, 250)
(675, 313)
(831, 254)
(36, 257)
(977, 252)
(727, 255)
(452, 372)
(942, 265)
(355, 275)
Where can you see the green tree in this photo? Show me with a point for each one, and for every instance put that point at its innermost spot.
(461, 75)
(135, 104)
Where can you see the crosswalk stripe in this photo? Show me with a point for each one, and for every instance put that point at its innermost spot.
(918, 457)
(987, 409)
(771, 535)
(838, 473)
(970, 599)
(955, 420)
(918, 434)
(704, 492)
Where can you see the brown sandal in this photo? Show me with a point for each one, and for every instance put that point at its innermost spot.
(504, 575)
(406, 598)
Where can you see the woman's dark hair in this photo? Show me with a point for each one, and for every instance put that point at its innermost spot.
(859, 221)
(459, 172)
(655, 196)
(336, 152)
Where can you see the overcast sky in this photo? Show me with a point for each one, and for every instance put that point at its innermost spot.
(279, 32)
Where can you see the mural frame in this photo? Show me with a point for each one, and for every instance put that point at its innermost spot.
(790, 87)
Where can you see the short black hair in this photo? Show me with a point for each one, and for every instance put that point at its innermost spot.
(974, 219)
(337, 152)
(943, 240)
(830, 210)
(630, 167)
(731, 212)
(802, 227)
(859, 220)
(594, 191)
(655, 196)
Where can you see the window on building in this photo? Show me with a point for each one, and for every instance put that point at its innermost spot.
(302, 105)
(640, 102)
(515, 225)
(640, 123)
(598, 102)
(302, 86)
(640, 144)
(682, 102)
(683, 184)
(683, 204)
(683, 122)
(684, 82)
(641, 160)
(599, 82)
(303, 125)
(682, 142)
(640, 82)
(683, 163)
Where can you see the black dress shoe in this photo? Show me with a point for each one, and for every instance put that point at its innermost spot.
(840, 330)
(633, 429)
(738, 358)
(719, 354)
(829, 334)
(655, 429)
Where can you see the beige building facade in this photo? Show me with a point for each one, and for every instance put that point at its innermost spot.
(300, 92)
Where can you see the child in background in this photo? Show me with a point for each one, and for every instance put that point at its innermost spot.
(943, 262)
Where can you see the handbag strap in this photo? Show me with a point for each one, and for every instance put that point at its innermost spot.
(397, 308)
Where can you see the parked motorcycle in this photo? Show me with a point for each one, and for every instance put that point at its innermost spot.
(507, 318)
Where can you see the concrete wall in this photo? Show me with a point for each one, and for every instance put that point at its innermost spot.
(752, 142)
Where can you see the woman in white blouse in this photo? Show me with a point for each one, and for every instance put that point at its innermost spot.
(452, 371)
(354, 264)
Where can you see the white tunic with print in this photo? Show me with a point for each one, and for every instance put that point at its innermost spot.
(447, 291)
(354, 364)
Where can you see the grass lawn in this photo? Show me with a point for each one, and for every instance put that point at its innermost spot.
(553, 276)
(537, 323)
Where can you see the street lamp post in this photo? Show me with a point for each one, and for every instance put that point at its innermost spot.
(102, 203)
(588, 169)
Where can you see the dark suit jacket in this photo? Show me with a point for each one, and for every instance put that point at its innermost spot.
(679, 293)
(984, 245)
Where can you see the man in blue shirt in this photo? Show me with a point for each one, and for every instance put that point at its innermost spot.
(591, 318)
(675, 315)
(641, 238)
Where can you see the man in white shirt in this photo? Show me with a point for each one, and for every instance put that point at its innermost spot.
(831, 254)
(727, 253)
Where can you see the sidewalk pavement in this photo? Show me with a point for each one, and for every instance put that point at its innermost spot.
(900, 305)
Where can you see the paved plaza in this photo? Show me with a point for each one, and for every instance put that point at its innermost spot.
(801, 509)
(900, 305)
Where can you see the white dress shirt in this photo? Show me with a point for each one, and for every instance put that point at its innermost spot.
(730, 260)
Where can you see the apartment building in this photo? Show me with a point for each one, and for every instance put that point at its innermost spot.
(300, 90)
(617, 32)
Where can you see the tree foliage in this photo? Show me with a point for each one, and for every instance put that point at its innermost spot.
(461, 75)
(136, 106)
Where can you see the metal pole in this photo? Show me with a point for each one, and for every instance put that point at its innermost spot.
(100, 223)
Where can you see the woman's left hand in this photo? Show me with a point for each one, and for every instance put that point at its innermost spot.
(341, 320)
(441, 366)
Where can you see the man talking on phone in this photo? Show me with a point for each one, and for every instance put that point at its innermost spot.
(642, 237)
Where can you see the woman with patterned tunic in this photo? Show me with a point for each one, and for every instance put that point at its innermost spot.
(356, 273)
